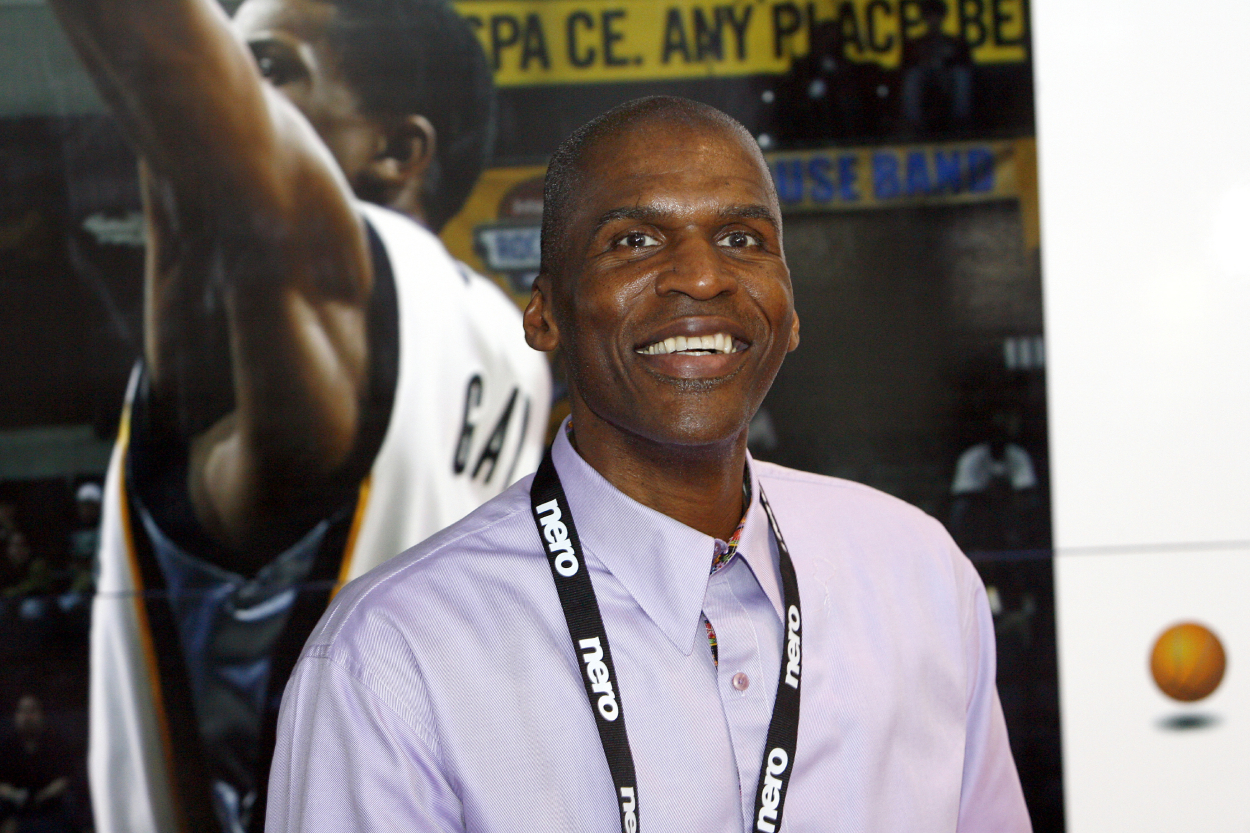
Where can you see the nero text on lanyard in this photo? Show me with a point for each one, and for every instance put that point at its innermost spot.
(590, 642)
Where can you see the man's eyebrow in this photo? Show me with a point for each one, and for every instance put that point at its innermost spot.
(753, 211)
(649, 214)
(637, 213)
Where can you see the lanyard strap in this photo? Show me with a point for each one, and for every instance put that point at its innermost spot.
(555, 525)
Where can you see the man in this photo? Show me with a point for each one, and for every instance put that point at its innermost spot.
(34, 775)
(645, 647)
(322, 385)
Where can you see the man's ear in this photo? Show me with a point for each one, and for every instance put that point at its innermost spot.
(794, 333)
(405, 150)
(541, 331)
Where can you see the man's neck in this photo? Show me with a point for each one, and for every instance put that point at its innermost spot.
(701, 486)
(407, 201)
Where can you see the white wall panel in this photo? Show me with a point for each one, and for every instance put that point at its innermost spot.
(1144, 143)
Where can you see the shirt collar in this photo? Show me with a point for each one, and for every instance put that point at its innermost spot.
(660, 561)
(757, 548)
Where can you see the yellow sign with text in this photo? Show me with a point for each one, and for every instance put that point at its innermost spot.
(534, 42)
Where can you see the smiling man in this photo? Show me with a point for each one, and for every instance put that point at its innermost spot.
(657, 632)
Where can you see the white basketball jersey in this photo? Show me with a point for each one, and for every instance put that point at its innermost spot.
(469, 418)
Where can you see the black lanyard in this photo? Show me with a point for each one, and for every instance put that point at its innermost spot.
(590, 643)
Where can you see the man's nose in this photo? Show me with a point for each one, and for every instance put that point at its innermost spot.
(695, 268)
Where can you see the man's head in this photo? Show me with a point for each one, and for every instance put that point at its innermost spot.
(663, 278)
(399, 91)
(87, 500)
(17, 549)
(28, 717)
(934, 13)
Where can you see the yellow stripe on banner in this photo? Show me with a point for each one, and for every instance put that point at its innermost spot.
(145, 628)
(349, 552)
(535, 42)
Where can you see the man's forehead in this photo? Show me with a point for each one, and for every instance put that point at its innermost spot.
(306, 19)
(647, 134)
(631, 159)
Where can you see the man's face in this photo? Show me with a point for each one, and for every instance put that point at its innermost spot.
(289, 40)
(17, 549)
(674, 307)
(28, 717)
(89, 511)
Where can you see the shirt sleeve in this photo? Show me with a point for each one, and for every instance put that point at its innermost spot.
(346, 761)
(991, 800)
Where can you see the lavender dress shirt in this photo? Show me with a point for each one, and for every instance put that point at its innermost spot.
(441, 692)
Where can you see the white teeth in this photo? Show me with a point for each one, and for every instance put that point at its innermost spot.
(694, 345)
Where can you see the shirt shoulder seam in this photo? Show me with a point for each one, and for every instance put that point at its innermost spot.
(331, 637)
(372, 683)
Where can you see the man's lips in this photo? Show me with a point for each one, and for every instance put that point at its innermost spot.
(696, 336)
(695, 348)
(707, 345)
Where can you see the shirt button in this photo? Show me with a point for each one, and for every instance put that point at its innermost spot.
(740, 681)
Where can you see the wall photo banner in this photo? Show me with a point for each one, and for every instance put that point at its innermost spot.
(155, 644)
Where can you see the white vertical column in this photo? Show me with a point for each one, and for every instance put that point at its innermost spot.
(1144, 147)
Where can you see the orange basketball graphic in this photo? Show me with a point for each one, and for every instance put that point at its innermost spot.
(1187, 662)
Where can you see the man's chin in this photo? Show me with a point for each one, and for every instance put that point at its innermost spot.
(697, 429)
(695, 385)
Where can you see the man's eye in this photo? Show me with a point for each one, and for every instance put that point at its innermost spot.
(637, 240)
(278, 70)
(271, 68)
(739, 240)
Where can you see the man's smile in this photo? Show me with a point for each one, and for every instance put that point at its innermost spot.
(695, 347)
(718, 343)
